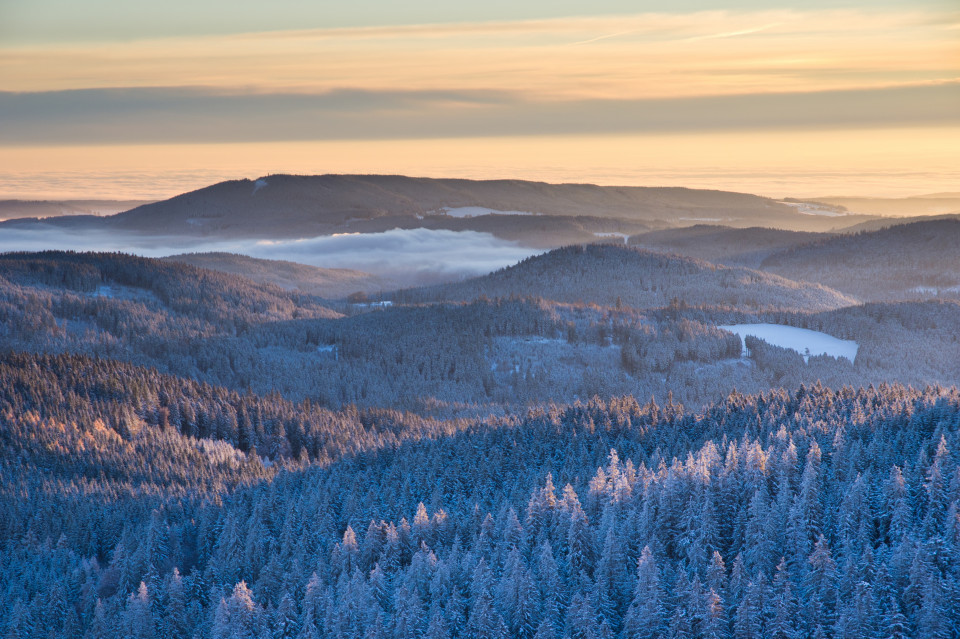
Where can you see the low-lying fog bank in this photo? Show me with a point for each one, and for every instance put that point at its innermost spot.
(413, 256)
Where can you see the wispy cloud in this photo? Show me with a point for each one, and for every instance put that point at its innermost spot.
(601, 37)
(734, 34)
(632, 56)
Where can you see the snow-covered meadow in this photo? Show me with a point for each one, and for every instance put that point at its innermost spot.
(803, 340)
(475, 211)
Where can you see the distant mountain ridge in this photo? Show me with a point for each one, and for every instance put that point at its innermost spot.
(279, 206)
(13, 209)
(929, 204)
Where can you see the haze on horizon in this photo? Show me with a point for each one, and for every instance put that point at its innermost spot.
(137, 100)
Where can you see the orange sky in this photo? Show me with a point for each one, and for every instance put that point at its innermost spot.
(781, 101)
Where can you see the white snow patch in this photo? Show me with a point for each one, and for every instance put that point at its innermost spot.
(326, 348)
(259, 184)
(622, 236)
(220, 452)
(537, 339)
(104, 291)
(474, 211)
(808, 208)
(802, 340)
(929, 290)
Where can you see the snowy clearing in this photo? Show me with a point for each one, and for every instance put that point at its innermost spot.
(474, 211)
(930, 290)
(808, 208)
(622, 236)
(802, 340)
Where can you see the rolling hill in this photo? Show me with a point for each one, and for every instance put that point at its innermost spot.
(610, 274)
(880, 223)
(722, 244)
(330, 283)
(907, 261)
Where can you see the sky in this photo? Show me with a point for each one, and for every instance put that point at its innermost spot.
(133, 99)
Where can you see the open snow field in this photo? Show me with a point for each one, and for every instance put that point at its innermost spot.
(474, 211)
(802, 340)
(809, 208)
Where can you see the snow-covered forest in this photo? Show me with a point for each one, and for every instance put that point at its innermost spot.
(479, 320)
(190, 454)
(481, 354)
(813, 513)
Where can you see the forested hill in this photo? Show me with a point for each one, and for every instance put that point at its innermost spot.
(450, 358)
(722, 244)
(329, 283)
(908, 261)
(105, 421)
(608, 274)
(813, 513)
(102, 279)
(173, 316)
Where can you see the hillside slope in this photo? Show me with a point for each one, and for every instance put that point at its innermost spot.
(113, 279)
(908, 261)
(330, 283)
(608, 274)
(722, 244)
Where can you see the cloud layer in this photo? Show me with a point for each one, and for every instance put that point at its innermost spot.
(196, 115)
